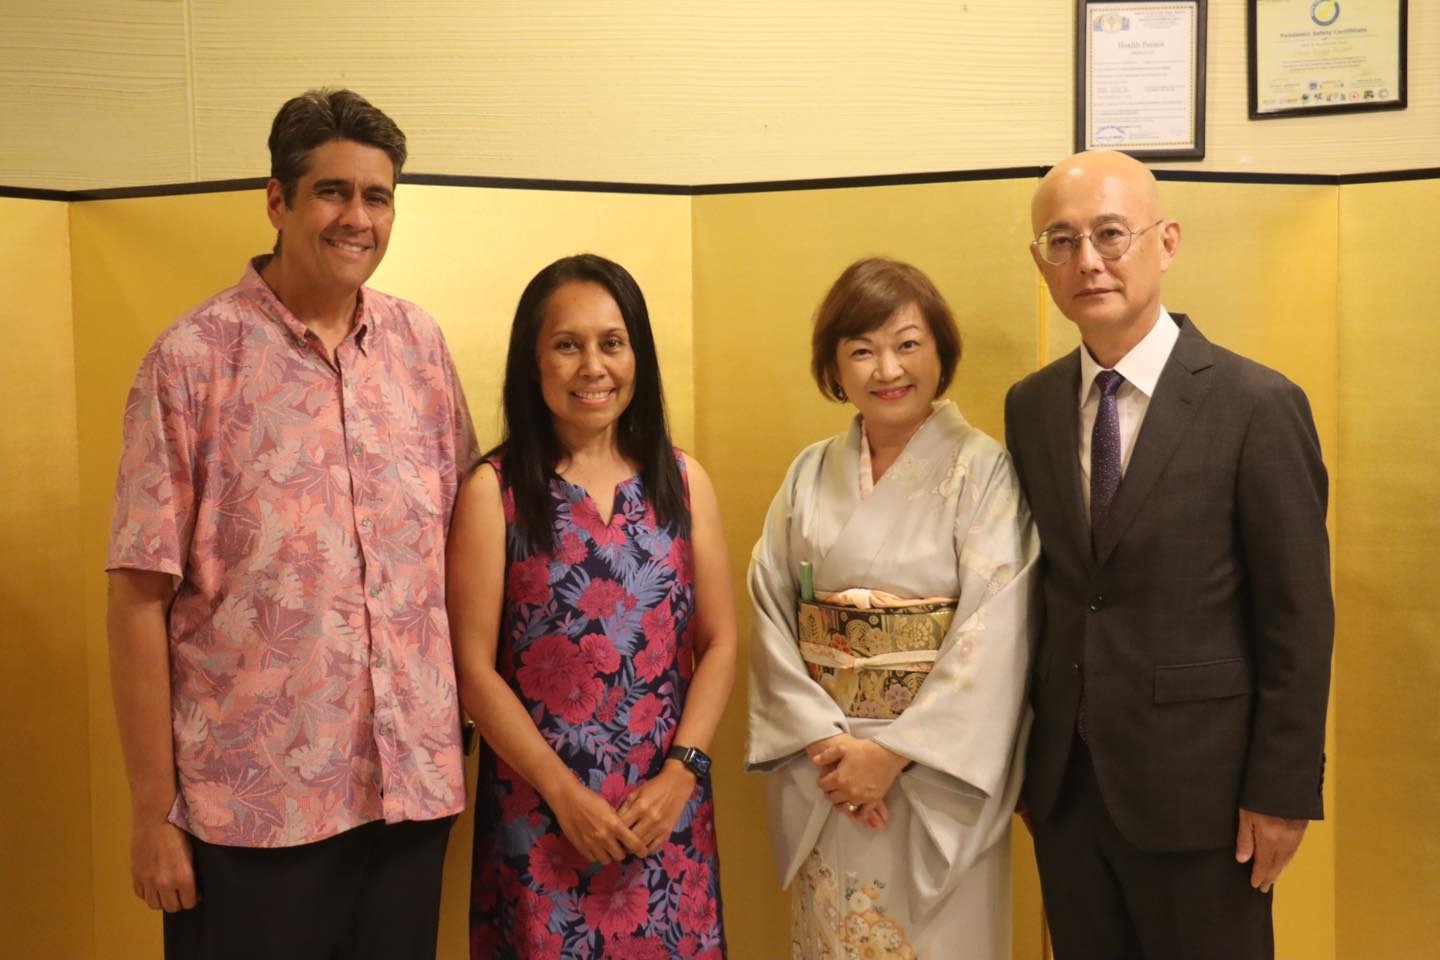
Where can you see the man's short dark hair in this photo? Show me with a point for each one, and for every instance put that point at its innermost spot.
(317, 117)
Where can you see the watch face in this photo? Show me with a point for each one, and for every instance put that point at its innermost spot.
(699, 763)
(693, 758)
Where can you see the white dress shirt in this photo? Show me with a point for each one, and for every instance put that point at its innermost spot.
(1141, 369)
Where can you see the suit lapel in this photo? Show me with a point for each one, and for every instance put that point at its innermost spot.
(1178, 395)
(1062, 436)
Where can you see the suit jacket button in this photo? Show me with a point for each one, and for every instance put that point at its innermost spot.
(1075, 667)
(1097, 603)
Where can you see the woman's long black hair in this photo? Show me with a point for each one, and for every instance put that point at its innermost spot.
(529, 448)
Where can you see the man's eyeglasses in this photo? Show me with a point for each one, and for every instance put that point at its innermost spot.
(1110, 241)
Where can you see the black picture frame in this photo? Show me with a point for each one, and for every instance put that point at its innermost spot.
(1400, 102)
(1195, 150)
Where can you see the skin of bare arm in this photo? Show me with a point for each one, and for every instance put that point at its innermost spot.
(162, 867)
(654, 807)
(474, 590)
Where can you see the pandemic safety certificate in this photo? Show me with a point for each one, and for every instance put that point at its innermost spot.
(1326, 56)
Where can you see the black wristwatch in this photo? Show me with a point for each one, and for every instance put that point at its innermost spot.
(691, 758)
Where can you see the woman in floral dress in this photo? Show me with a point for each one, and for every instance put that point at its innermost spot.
(594, 642)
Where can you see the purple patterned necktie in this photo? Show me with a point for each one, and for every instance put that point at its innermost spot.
(1104, 451)
(1104, 481)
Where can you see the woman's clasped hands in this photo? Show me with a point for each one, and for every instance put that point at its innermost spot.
(638, 827)
(855, 776)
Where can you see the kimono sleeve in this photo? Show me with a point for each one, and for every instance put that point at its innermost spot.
(155, 492)
(788, 710)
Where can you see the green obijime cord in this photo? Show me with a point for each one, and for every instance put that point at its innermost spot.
(807, 581)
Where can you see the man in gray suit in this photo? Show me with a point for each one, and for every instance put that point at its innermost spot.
(1184, 664)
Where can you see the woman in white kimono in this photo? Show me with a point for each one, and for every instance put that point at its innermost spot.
(893, 589)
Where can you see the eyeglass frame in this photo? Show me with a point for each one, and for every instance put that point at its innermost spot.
(1039, 247)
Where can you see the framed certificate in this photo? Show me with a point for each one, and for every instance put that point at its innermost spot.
(1140, 77)
(1326, 56)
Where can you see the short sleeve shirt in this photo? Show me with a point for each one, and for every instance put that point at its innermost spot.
(302, 506)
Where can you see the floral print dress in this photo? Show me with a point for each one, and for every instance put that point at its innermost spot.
(596, 643)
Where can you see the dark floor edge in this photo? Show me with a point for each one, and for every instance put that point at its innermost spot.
(720, 189)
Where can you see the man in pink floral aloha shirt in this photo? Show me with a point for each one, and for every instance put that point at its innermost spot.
(279, 648)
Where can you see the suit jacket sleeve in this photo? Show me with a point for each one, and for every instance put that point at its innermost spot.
(1280, 506)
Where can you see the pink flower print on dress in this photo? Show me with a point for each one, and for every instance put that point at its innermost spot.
(572, 549)
(555, 864)
(582, 700)
(601, 598)
(550, 669)
(602, 653)
(644, 713)
(530, 580)
(618, 899)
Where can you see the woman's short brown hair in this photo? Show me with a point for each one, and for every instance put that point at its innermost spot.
(866, 295)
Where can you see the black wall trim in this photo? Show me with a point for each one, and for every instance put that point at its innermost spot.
(885, 180)
(171, 189)
(1208, 176)
(719, 189)
(32, 193)
(531, 183)
(1391, 176)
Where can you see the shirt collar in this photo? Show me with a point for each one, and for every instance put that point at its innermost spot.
(1143, 365)
(254, 285)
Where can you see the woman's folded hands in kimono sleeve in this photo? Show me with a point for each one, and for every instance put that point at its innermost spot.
(854, 771)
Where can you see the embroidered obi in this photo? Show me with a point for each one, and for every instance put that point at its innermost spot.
(872, 661)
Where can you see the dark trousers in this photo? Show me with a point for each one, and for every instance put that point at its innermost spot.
(1105, 899)
(373, 891)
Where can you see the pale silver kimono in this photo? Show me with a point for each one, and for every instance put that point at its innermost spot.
(946, 520)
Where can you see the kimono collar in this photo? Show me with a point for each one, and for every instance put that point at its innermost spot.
(867, 477)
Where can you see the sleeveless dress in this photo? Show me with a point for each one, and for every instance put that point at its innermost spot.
(595, 641)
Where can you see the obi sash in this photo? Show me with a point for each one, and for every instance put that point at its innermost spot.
(872, 661)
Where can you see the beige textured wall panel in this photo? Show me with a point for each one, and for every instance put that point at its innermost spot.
(1340, 143)
(93, 93)
(1388, 848)
(45, 905)
(683, 92)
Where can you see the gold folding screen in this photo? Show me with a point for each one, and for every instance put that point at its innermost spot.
(1314, 280)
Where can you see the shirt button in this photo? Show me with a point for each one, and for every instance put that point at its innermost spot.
(1097, 603)
(380, 663)
(355, 450)
(365, 521)
(375, 591)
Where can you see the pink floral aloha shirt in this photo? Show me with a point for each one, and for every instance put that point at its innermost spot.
(303, 508)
